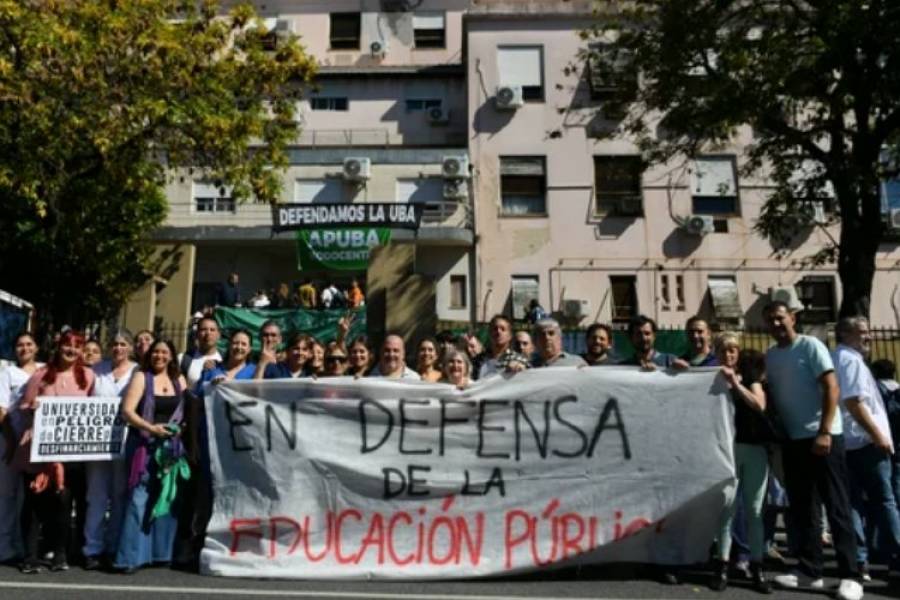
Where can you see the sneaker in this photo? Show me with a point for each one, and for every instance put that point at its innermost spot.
(92, 563)
(742, 569)
(849, 589)
(797, 579)
(31, 568)
(59, 563)
(863, 568)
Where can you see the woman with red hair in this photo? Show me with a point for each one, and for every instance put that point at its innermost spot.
(47, 510)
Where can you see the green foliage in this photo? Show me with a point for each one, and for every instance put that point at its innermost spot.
(817, 82)
(98, 102)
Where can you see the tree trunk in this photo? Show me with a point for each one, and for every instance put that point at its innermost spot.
(859, 243)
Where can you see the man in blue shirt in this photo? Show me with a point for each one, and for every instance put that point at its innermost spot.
(805, 393)
(700, 353)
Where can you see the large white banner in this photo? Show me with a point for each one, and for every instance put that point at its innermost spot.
(76, 428)
(552, 467)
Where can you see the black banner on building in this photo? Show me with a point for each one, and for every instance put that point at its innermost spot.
(393, 215)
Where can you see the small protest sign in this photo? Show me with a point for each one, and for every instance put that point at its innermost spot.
(73, 429)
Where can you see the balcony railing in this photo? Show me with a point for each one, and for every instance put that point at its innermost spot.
(381, 137)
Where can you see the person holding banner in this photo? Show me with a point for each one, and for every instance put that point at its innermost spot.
(237, 363)
(427, 360)
(107, 481)
(457, 369)
(642, 333)
(47, 510)
(335, 360)
(12, 384)
(294, 365)
(392, 364)
(154, 408)
(548, 337)
(501, 357)
(360, 360)
(744, 373)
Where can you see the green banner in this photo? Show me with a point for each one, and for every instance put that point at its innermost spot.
(341, 249)
(321, 324)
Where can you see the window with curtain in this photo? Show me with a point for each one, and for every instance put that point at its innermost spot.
(522, 66)
(523, 186)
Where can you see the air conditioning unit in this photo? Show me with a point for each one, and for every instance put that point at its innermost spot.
(278, 29)
(698, 225)
(894, 218)
(378, 49)
(454, 189)
(455, 167)
(788, 295)
(509, 97)
(437, 115)
(357, 168)
(576, 309)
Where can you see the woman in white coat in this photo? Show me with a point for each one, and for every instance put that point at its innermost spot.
(12, 384)
(107, 481)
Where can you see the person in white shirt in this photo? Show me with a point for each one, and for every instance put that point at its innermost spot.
(107, 481)
(867, 437)
(392, 364)
(12, 384)
(205, 356)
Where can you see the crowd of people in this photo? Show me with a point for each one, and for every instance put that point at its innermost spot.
(814, 430)
(308, 295)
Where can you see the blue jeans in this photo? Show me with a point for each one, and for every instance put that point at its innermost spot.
(870, 477)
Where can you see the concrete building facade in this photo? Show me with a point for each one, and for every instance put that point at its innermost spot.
(553, 210)
(569, 218)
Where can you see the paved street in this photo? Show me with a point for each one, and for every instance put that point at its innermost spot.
(612, 583)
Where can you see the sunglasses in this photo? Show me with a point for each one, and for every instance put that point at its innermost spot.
(336, 359)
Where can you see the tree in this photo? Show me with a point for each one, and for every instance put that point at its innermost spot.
(100, 102)
(818, 83)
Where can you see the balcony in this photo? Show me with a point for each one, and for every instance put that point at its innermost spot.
(445, 222)
(381, 137)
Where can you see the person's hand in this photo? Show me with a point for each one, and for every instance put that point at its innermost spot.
(822, 445)
(160, 431)
(515, 366)
(217, 379)
(883, 443)
(679, 364)
(648, 365)
(209, 364)
(730, 377)
(344, 324)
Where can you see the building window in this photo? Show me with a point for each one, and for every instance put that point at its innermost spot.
(607, 75)
(522, 66)
(525, 288)
(422, 104)
(714, 186)
(329, 103)
(345, 30)
(319, 191)
(212, 198)
(617, 185)
(429, 30)
(679, 292)
(818, 298)
(457, 291)
(726, 302)
(624, 297)
(665, 292)
(523, 186)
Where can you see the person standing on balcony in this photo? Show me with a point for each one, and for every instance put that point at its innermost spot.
(229, 293)
(355, 297)
(307, 294)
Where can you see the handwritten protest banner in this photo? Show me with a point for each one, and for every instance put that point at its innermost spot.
(559, 466)
(71, 429)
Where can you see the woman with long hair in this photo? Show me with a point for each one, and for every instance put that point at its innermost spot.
(47, 510)
(335, 360)
(107, 481)
(236, 364)
(154, 408)
(360, 357)
(316, 364)
(12, 384)
(427, 360)
(744, 373)
(296, 357)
